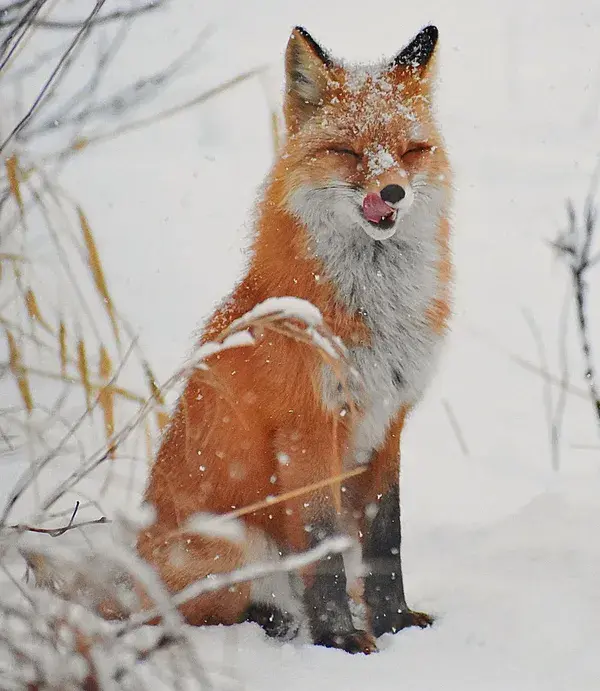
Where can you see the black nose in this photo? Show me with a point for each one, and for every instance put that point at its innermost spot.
(392, 194)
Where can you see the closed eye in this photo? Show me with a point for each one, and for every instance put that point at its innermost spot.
(418, 148)
(342, 150)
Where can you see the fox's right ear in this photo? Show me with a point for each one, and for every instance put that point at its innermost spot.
(306, 67)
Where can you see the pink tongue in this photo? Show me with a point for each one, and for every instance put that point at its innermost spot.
(375, 209)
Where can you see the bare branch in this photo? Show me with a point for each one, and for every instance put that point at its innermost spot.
(554, 411)
(57, 532)
(575, 246)
(460, 437)
(112, 17)
(29, 476)
(165, 114)
(569, 388)
(22, 25)
(55, 72)
(13, 6)
(126, 99)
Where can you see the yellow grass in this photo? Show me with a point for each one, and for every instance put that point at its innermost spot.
(20, 373)
(95, 265)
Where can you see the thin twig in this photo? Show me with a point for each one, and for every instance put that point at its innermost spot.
(293, 494)
(526, 365)
(562, 400)
(554, 412)
(167, 113)
(55, 72)
(28, 477)
(115, 16)
(124, 100)
(22, 23)
(575, 246)
(57, 532)
(460, 437)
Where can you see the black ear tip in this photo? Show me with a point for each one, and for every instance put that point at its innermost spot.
(419, 51)
(319, 52)
(431, 32)
(429, 36)
(302, 31)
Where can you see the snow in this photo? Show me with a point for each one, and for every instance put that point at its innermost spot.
(284, 307)
(379, 160)
(358, 75)
(206, 350)
(501, 548)
(215, 525)
(251, 571)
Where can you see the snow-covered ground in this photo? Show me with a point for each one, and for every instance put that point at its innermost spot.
(498, 544)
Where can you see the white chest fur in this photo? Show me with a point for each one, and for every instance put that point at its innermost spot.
(391, 284)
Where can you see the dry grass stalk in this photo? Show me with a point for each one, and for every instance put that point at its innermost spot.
(293, 494)
(95, 386)
(12, 173)
(62, 348)
(84, 373)
(95, 266)
(106, 398)
(19, 371)
(162, 417)
(33, 310)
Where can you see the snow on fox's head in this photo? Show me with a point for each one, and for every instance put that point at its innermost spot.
(363, 149)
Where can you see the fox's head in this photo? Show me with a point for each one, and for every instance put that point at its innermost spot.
(363, 150)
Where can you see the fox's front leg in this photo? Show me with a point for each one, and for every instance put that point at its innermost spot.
(384, 584)
(308, 457)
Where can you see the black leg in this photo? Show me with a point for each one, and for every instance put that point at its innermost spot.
(327, 606)
(275, 622)
(384, 587)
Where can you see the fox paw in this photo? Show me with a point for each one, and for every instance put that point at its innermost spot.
(404, 619)
(275, 622)
(354, 642)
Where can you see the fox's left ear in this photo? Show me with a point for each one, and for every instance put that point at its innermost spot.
(306, 68)
(418, 53)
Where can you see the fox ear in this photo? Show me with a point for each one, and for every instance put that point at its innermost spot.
(419, 51)
(306, 66)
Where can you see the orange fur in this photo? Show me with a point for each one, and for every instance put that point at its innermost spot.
(219, 452)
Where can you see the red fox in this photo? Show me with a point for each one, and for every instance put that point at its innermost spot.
(354, 219)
